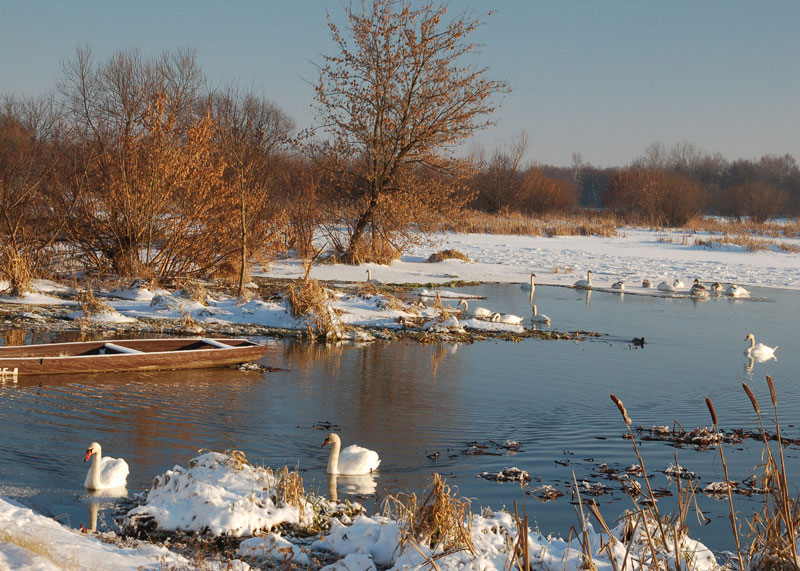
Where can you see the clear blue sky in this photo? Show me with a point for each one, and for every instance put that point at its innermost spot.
(603, 78)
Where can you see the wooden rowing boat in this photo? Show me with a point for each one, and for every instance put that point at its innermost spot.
(126, 355)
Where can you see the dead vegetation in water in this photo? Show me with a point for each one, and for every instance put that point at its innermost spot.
(89, 303)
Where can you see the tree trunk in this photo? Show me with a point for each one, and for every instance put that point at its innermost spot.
(243, 252)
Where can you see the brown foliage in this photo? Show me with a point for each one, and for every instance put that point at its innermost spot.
(541, 194)
(396, 99)
(655, 195)
(28, 167)
(757, 200)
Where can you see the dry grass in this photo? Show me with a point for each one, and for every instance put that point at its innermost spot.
(309, 298)
(788, 229)
(16, 268)
(441, 521)
(195, 291)
(39, 546)
(447, 255)
(586, 223)
(89, 303)
(289, 489)
(750, 242)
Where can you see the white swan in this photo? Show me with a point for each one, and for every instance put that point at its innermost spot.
(539, 317)
(584, 284)
(759, 351)
(531, 286)
(352, 460)
(677, 284)
(716, 287)
(664, 286)
(736, 291)
(619, 284)
(477, 312)
(647, 283)
(506, 318)
(698, 289)
(105, 472)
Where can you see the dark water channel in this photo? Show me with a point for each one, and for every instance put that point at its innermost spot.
(408, 401)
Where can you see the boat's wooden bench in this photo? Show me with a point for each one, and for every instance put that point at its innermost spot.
(118, 349)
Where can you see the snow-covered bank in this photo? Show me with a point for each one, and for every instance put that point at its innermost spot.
(634, 254)
(221, 495)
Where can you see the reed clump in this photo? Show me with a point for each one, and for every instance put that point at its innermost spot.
(584, 223)
(441, 521)
(89, 303)
(449, 254)
(308, 298)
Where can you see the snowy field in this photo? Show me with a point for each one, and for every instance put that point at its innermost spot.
(32, 542)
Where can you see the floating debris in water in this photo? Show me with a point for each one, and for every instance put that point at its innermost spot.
(513, 474)
(545, 492)
(678, 471)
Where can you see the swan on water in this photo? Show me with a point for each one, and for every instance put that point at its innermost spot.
(531, 286)
(584, 284)
(759, 351)
(647, 283)
(716, 287)
(508, 318)
(105, 472)
(677, 284)
(619, 284)
(736, 291)
(698, 289)
(477, 312)
(539, 317)
(352, 460)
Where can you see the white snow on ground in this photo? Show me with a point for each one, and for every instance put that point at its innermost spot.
(633, 254)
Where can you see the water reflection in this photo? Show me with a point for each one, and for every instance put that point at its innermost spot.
(353, 485)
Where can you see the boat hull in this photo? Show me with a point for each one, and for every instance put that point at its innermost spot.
(138, 355)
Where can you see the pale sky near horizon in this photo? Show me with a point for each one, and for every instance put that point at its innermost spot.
(602, 78)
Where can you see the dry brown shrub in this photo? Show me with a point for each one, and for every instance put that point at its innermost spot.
(17, 269)
(195, 291)
(89, 303)
(447, 255)
(440, 521)
(309, 298)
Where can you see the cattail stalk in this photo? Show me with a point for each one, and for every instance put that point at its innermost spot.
(710, 406)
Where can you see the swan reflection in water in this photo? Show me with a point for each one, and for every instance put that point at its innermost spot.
(101, 499)
(358, 485)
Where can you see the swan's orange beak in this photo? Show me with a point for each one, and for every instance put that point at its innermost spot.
(88, 455)
(327, 441)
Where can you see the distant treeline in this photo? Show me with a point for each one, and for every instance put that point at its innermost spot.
(661, 187)
(135, 167)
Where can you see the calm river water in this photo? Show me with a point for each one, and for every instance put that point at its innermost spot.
(409, 401)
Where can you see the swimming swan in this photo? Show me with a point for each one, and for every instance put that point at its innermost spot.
(531, 286)
(620, 284)
(105, 472)
(759, 352)
(716, 287)
(539, 317)
(584, 284)
(478, 312)
(352, 460)
(647, 283)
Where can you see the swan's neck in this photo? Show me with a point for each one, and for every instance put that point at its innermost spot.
(531, 281)
(333, 459)
(752, 342)
(589, 278)
(94, 472)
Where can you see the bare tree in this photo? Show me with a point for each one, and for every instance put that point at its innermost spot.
(252, 134)
(153, 168)
(396, 98)
(497, 181)
(29, 225)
